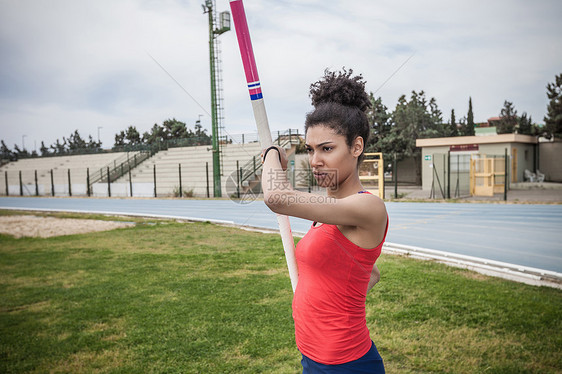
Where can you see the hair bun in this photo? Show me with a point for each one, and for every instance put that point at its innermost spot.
(342, 88)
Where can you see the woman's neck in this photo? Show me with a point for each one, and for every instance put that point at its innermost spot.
(347, 187)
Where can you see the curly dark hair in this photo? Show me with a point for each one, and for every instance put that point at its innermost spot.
(340, 103)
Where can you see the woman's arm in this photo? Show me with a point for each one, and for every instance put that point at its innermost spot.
(357, 210)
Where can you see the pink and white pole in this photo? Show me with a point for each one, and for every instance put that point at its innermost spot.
(260, 115)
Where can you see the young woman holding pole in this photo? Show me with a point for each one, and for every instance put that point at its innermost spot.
(336, 258)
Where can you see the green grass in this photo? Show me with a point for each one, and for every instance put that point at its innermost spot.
(171, 297)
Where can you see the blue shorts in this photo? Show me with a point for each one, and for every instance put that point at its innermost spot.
(370, 363)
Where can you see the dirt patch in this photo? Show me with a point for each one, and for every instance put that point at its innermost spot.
(45, 227)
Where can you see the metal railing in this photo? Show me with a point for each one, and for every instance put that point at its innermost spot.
(250, 169)
(119, 167)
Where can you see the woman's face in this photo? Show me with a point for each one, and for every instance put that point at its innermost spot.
(331, 159)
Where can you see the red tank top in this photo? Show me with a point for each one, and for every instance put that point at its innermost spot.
(329, 302)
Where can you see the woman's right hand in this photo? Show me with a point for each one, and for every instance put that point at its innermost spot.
(279, 153)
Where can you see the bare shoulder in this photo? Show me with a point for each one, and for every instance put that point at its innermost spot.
(370, 208)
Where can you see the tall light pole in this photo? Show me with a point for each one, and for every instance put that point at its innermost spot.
(99, 127)
(208, 7)
(23, 142)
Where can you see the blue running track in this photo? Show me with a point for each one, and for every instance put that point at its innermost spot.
(529, 235)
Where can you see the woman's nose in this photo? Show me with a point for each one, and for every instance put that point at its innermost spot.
(315, 160)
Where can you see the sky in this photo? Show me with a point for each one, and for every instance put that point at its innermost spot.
(98, 66)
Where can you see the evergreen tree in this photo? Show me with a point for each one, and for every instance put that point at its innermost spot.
(75, 143)
(132, 136)
(553, 118)
(44, 150)
(201, 134)
(174, 129)
(469, 128)
(20, 153)
(380, 122)
(451, 129)
(59, 148)
(155, 136)
(412, 120)
(436, 128)
(93, 145)
(508, 119)
(5, 151)
(525, 125)
(462, 126)
(119, 139)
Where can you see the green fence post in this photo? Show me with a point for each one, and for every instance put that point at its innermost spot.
(36, 185)
(207, 173)
(179, 170)
(108, 183)
(395, 176)
(155, 195)
(130, 183)
(241, 176)
(69, 184)
(6, 179)
(444, 176)
(88, 182)
(21, 185)
(449, 174)
(237, 179)
(505, 175)
(52, 184)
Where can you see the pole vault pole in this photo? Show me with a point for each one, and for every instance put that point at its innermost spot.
(254, 87)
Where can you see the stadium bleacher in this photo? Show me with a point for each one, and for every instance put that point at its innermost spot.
(194, 162)
(61, 166)
(68, 175)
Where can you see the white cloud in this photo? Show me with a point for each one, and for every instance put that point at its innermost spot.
(70, 65)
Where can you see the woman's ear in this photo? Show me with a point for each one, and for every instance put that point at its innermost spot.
(357, 146)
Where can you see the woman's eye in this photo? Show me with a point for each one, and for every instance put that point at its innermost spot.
(309, 150)
(327, 149)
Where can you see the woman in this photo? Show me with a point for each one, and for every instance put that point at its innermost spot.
(336, 257)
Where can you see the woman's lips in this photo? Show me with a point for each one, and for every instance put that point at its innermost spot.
(320, 175)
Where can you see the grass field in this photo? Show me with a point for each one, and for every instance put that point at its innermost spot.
(167, 297)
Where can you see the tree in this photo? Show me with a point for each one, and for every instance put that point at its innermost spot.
(416, 119)
(508, 119)
(451, 128)
(119, 139)
(525, 125)
(380, 122)
(93, 145)
(21, 153)
(132, 136)
(412, 120)
(174, 129)
(5, 151)
(201, 134)
(469, 128)
(436, 128)
(59, 148)
(155, 136)
(44, 150)
(553, 118)
(75, 143)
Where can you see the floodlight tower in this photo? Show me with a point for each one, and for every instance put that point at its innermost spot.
(216, 83)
